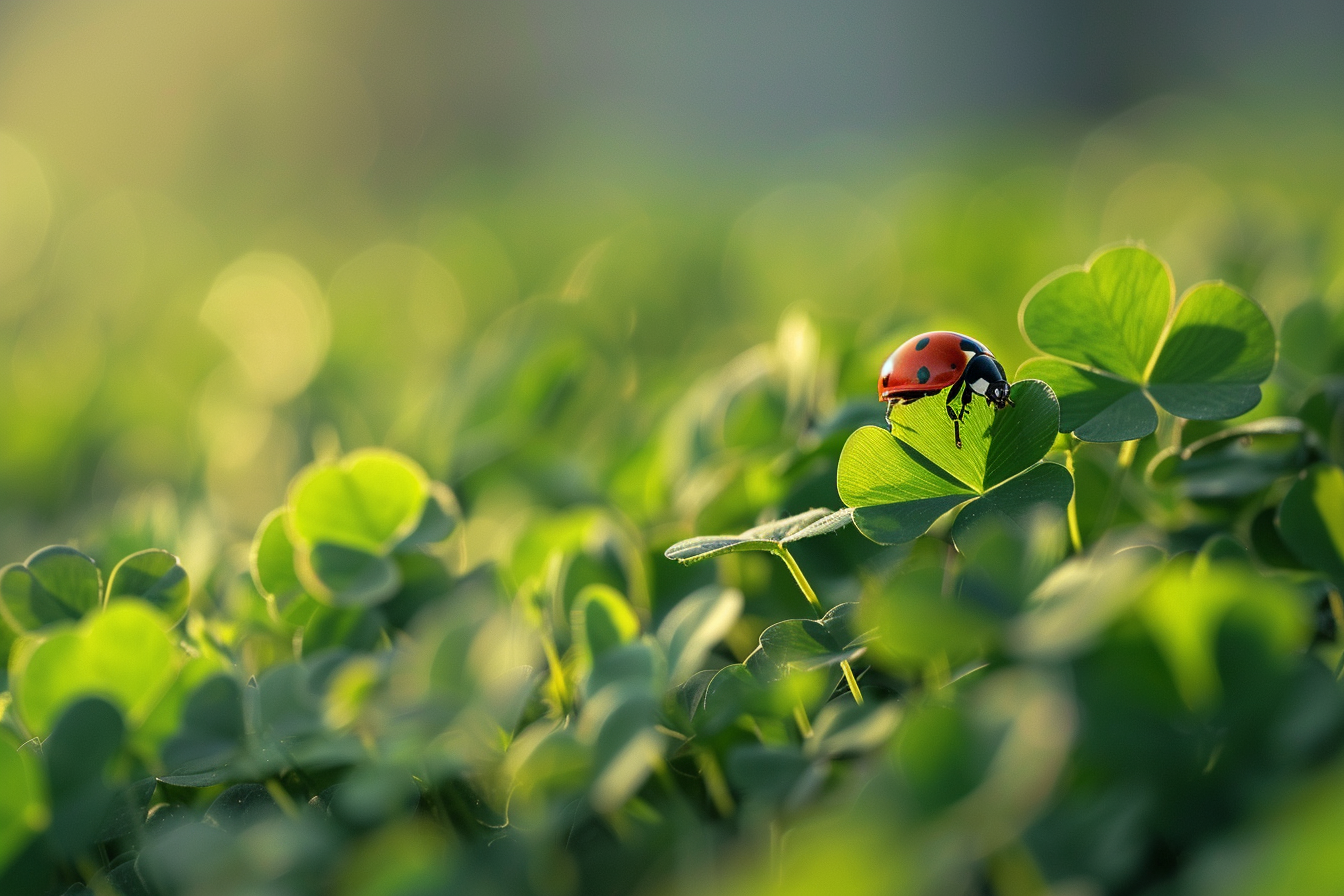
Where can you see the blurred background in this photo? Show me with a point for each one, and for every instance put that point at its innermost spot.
(561, 253)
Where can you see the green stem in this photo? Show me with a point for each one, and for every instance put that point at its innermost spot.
(1075, 533)
(798, 577)
(851, 681)
(1123, 462)
(557, 672)
(800, 716)
(716, 785)
(806, 588)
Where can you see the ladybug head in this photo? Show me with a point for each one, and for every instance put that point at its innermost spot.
(997, 394)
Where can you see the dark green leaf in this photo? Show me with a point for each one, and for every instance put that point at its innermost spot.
(1219, 349)
(349, 577)
(1015, 502)
(83, 741)
(1311, 521)
(695, 625)
(1092, 405)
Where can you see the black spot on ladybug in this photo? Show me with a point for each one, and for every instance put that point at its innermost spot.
(919, 346)
(923, 375)
(969, 346)
(954, 365)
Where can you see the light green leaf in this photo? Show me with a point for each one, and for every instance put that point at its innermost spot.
(1187, 604)
(123, 654)
(602, 619)
(1311, 520)
(369, 501)
(272, 559)
(900, 482)
(1107, 315)
(21, 809)
(765, 537)
(56, 584)
(1106, 322)
(154, 576)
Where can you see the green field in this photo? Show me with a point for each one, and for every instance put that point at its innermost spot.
(531, 525)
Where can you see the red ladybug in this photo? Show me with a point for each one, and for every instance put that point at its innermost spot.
(930, 362)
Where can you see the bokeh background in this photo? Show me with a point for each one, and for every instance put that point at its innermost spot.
(535, 244)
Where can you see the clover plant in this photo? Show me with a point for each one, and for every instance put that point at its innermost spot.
(1115, 341)
(391, 694)
(899, 482)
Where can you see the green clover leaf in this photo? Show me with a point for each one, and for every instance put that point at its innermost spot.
(766, 537)
(1115, 347)
(56, 584)
(344, 529)
(900, 482)
(1311, 520)
(154, 576)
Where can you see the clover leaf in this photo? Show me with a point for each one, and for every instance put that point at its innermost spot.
(765, 537)
(56, 584)
(898, 483)
(339, 537)
(807, 645)
(1311, 520)
(1115, 347)
(123, 653)
(154, 576)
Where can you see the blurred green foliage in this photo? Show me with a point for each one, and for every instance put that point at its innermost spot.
(375, 498)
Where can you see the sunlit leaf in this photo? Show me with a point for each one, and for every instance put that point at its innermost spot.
(602, 619)
(154, 576)
(900, 482)
(765, 537)
(1111, 322)
(56, 584)
(369, 501)
(123, 654)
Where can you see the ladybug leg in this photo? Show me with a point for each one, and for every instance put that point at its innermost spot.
(953, 415)
(966, 397)
(890, 405)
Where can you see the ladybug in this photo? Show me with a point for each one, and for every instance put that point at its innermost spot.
(930, 362)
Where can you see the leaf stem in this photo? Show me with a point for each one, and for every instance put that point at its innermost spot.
(1124, 460)
(798, 577)
(800, 716)
(716, 785)
(1075, 533)
(557, 672)
(851, 681)
(806, 588)
(1127, 452)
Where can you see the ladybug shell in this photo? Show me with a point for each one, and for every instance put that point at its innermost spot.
(927, 363)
